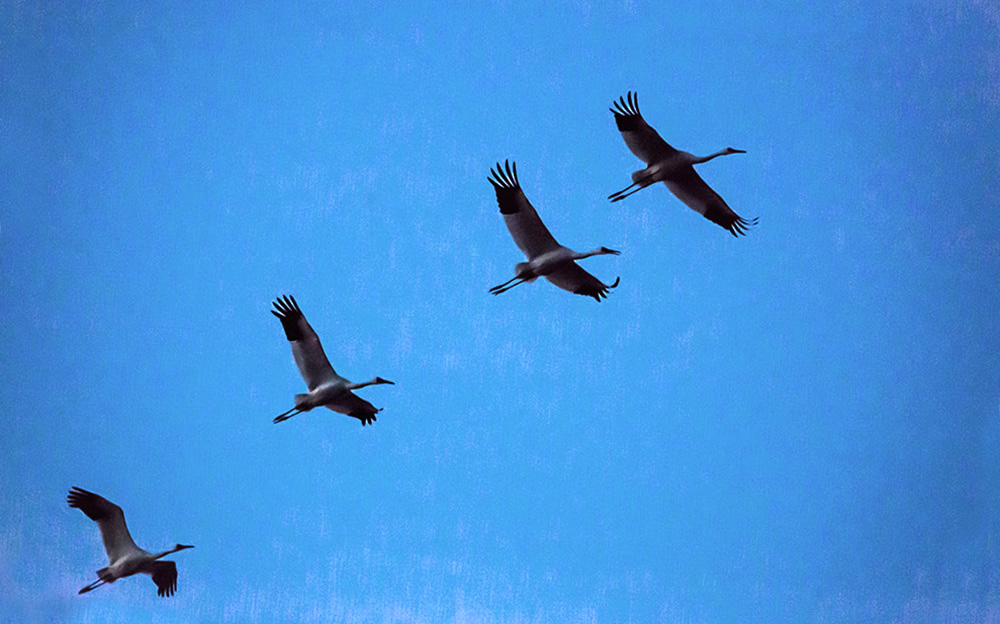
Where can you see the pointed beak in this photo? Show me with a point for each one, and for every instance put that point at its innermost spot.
(385, 381)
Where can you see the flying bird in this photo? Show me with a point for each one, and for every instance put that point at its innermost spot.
(546, 257)
(124, 557)
(326, 387)
(672, 167)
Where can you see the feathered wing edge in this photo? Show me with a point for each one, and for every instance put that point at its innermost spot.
(702, 198)
(510, 196)
(307, 350)
(109, 517)
(522, 220)
(165, 576)
(579, 281)
(641, 139)
(292, 320)
(95, 506)
(627, 115)
(354, 406)
(599, 292)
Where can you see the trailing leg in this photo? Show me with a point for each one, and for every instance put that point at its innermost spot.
(282, 417)
(503, 290)
(92, 586)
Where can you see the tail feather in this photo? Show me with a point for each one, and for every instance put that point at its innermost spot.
(643, 177)
(523, 266)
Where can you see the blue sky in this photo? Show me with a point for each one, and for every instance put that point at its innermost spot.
(801, 425)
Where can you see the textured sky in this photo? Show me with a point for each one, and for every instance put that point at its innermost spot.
(797, 426)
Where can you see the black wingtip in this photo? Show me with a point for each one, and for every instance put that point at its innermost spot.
(626, 111)
(598, 293)
(288, 312)
(741, 227)
(506, 185)
(74, 496)
(503, 176)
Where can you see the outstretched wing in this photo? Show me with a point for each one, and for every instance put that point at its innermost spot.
(109, 518)
(688, 186)
(356, 407)
(306, 348)
(527, 229)
(572, 277)
(639, 136)
(164, 574)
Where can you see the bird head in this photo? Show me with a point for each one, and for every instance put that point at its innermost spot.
(613, 252)
(379, 380)
(182, 546)
(730, 150)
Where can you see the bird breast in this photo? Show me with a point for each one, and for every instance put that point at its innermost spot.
(327, 393)
(664, 169)
(550, 261)
(126, 566)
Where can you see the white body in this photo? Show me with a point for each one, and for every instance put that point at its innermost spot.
(673, 167)
(546, 257)
(124, 557)
(326, 387)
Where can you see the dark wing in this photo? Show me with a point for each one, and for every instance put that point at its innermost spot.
(109, 518)
(639, 136)
(356, 407)
(306, 348)
(164, 574)
(527, 229)
(699, 196)
(572, 277)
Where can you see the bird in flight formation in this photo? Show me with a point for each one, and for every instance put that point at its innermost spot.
(672, 167)
(675, 168)
(326, 387)
(546, 257)
(124, 557)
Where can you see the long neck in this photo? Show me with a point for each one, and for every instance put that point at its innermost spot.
(355, 386)
(703, 159)
(166, 552)
(587, 254)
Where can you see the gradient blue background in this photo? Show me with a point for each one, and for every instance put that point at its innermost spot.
(798, 426)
